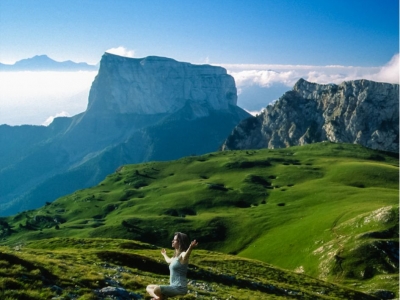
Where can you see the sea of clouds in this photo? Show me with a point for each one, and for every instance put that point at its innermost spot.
(267, 75)
(38, 97)
(280, 78)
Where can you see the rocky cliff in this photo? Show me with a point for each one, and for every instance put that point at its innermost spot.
(154, 85)
(362, 112)
(139, 110)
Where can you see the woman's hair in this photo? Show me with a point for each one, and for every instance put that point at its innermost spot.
(183, 241)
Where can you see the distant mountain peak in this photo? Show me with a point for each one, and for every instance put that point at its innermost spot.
(37, 59)
(45, 63)
(41, 56)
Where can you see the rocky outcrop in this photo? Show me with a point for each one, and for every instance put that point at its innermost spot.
(155, 85)
(361, 111)
(139, 110)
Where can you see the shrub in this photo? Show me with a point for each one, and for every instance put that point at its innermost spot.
(258, 180)
(217, 186)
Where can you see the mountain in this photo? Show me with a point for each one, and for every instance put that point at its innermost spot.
(44, 63)
(326, 211)
(361, 112)
(138, 110)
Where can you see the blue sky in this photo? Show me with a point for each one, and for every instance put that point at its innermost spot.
(316, 32)
(266, 45)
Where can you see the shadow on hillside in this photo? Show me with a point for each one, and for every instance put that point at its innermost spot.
(130, 260)
(47, 276)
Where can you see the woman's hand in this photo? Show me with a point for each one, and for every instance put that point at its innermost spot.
(194, 243)
(164, 253)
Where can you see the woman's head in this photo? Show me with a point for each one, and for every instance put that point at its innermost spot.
(182, 241)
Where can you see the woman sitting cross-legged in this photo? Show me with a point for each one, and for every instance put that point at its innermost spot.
(178, 265)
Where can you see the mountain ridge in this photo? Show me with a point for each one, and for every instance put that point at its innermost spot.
(45, 63)
(360, 111)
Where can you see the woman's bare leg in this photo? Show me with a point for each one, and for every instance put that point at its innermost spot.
(154, 291)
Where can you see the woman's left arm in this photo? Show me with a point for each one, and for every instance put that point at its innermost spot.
(185, 255)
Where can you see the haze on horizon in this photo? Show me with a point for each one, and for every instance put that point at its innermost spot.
(266, 46)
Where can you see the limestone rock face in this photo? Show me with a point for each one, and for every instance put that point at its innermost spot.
(154, 85)
(361, 111)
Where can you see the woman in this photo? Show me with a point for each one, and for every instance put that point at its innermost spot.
(178, 265)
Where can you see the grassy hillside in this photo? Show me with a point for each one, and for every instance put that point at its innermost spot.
(329, 211)
(66, 268)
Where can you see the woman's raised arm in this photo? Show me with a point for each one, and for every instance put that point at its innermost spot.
(164, 253)
(186, 255)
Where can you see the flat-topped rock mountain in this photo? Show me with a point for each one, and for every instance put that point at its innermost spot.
(361, 112)
(155, 85)
(139, 110)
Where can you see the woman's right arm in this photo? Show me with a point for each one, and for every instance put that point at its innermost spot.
(164, 253)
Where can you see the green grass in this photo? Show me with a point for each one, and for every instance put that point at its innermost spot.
(77, 268)
(316, 210)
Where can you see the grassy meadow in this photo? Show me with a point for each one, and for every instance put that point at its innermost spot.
(321, 217)
(70, 268)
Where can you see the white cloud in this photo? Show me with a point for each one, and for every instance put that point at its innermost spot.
(30, 97)
(51, 118)
(255, 112)
(31, 84)
(389, 72)
(121, 51)
(262, 78)
(265, 75)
